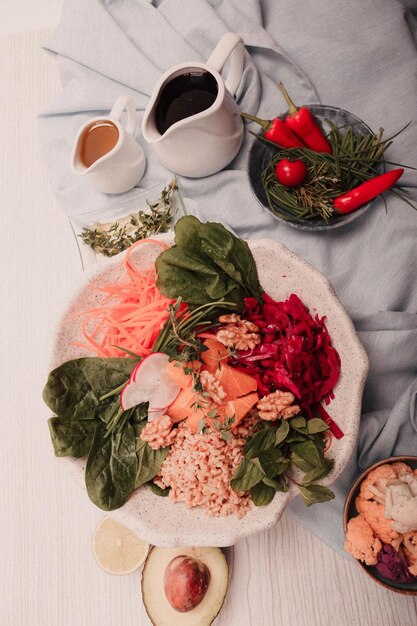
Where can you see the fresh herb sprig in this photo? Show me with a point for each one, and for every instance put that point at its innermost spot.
(274, 452)
(112, 238)
(179, 334)
(222, 424)
(356, 158)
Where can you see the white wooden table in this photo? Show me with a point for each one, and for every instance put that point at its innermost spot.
(48, 576)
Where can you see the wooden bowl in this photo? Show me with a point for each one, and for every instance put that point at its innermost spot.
(350, 511)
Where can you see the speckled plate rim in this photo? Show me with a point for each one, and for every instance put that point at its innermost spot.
(346, 517)
(281, 272)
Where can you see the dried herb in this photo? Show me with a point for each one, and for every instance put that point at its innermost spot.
(110, 239)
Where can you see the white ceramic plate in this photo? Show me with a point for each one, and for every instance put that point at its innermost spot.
(281, 273)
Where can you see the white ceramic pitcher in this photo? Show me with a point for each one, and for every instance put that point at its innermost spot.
(123, 166)
(204, 143)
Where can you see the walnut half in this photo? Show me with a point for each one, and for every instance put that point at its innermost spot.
(213, 387)
(276, 405)
(159, 433)
(239, 334)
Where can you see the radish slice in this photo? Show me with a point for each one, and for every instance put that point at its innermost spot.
(149, 382)
(157, 413)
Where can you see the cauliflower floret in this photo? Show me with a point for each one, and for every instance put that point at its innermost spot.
(373, 512)
(410, 479)
(373, 487)
(401, 468)
(401, 506)
(395, 542)
(410, 548)
(360, 541)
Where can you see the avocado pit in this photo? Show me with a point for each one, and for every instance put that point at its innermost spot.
(186, 580)
(184, 585)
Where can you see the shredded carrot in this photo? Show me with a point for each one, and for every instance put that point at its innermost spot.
(130, 315)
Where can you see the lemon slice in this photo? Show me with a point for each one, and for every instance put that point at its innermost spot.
(117, 549)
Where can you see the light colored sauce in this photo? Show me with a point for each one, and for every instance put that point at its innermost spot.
(98, 140)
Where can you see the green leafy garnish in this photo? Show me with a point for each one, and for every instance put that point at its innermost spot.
(271, 455)
(207, 264)
(89, 422)
(315, 493)
(157, 490)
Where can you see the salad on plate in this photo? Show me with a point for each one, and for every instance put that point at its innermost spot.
(200, 385)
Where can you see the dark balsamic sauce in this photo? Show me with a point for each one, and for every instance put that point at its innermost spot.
(184, 96)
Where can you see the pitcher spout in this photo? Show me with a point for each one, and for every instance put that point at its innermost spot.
(150, 131)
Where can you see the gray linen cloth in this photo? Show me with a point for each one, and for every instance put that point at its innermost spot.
(360, 56)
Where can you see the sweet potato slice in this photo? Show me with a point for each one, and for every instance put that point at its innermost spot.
(176, 373)
(236, 383)
(240, 407)
(214, 355)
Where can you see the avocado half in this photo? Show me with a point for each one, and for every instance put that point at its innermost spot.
(157, 606)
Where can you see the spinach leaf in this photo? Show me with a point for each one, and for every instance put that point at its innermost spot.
(196, 282)
(71, 437)
(232, 255)
(272, 462)
(316, 425)
(278, 483)
(111, 468)
(306, 455)
(282, 432)
(207, 264)
(139, 415)
(262, 494)
(262, 440)
(295, 436)
(247, 475)
(315, 493)
(116, 463)
(149, 462)
(299, 424)
(318, 472)
(187, 237)
(73, 389)
(266, 466)
(157, 490)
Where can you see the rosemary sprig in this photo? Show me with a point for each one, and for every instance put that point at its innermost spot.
(180, 331)
(179, 338)
(355, 159)
(112, 238)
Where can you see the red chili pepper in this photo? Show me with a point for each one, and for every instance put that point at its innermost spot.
(302, 122)
(276, 130)
(291, 173)
(370, 189)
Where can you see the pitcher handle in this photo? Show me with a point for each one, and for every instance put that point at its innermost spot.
(124, 102)
(230, 45)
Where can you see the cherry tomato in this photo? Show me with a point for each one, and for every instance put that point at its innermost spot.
(291, 173)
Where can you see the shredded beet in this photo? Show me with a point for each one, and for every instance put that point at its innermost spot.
(295, 353)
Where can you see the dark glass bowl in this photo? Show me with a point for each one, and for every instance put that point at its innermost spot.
(261, 153)
(350, 511)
